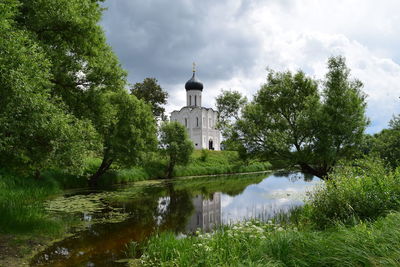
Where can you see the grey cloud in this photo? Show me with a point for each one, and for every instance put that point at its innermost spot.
(156, 38)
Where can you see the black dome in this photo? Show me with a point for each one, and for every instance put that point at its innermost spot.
(194, 84)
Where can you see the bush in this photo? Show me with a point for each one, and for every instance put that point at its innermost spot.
(363, 190)
(204, 155)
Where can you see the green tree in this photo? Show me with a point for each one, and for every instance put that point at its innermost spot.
(36, 131)
(87, 76)
(81, 61)
(175, 144)
(387, 143)
(151, 92)
(278, 124)
(288, 122)
(128, 129)
(229, 105)
(342, 120)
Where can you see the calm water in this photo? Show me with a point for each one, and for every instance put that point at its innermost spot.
(114, 218)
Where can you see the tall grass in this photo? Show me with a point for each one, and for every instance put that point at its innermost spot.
(254, 244)
(359, 191)
(21, 204)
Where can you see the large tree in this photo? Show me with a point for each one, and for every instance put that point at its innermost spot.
(229, 105)
(67, 82)
(290, 121)
(175, 144)
(127, 127)
(36, 131)
(151, 92)
(342, 120)
(87, 77)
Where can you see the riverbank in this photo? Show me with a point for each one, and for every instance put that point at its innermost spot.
(202, 162)
(268, 244)
(349, 220)
(25, 226)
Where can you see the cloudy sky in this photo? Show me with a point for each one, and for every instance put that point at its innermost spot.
(234, 41)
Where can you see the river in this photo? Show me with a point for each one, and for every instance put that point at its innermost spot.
(110, 219)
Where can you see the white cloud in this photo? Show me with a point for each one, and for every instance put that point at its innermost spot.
(233, 41)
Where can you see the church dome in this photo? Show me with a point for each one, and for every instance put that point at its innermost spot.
(194, 84)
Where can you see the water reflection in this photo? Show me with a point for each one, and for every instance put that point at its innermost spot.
(180, 206)
(207, 213)
(279, 193)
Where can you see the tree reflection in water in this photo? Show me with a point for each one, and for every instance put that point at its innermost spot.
(181, 206)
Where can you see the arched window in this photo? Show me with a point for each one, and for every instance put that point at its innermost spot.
(190, 100)
(197, 121)
(186, 122)
(195, 100)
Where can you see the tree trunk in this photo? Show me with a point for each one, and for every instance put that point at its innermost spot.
(170, 169)
(319, 172)
(38, 174)
(104, 166)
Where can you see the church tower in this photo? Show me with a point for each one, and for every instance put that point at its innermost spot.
(194, 88)
(199, 121)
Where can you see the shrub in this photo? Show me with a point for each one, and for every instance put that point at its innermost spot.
(363, 190)
(204, 155)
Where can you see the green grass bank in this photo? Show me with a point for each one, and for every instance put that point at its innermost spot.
(350, 220)
(202, 162)
(263, 244)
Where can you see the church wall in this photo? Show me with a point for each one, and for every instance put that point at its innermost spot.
(201, 131)
(193, 98)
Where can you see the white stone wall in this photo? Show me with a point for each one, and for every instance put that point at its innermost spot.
(201, 125)
(193, 98)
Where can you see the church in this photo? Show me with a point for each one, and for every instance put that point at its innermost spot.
(201, 122)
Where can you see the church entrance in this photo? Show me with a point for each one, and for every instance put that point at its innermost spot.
(210, 145)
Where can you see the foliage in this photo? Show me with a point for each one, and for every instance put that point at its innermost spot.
(36, 130)
(204, 155)
(278, 124)
(229, 105)
(151, 92)
(267, 244)
(290, 121)
(362, 190)
(217, 162)
(386, 144)
(343, 121)
(128, 129)
(175, 144)
(82, 63)
(21, 204)
(75, 87)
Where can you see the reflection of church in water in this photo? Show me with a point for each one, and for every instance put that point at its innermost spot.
(207, 213)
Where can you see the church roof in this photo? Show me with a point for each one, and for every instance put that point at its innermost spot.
(194, 83)
(191, 108)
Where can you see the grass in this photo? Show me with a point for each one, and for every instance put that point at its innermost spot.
(21, 204)
(202, 162)
(360, 191)
(357, 211)
(266, 244)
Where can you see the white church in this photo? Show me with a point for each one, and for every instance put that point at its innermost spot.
(200, 121)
